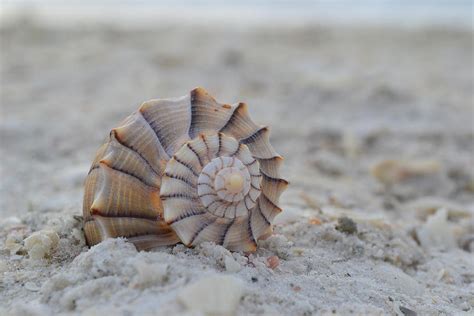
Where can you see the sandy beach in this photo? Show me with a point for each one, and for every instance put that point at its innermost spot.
(375, 125)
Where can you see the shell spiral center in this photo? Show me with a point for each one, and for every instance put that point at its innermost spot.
(224, 185)
(212, 174)
(229, 178)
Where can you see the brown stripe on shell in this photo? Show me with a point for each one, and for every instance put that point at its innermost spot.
(207, 115)
(268, 208)
(261, 227)
(259, 144)
(273, 187)
(271, 166)
(123, 159)
(121, 194)
(186, 165)
(178, 177)
(115, 141)
(177, 196)
(136, 134)
(201, 229)
(184, 215)
(239, 125)
(137, 230)
(92, 184)
(224, 232)
(170, 119)
(190, 146)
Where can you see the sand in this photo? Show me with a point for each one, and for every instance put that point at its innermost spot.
(376, 127)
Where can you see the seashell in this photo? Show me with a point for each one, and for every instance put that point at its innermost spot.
(187, 169)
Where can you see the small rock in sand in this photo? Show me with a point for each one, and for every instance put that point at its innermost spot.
(437, 232)
(428, 205)
(273, 262)
(407, 312)
(40, 244)
(214, 295)
(346, 225)
(149, 274)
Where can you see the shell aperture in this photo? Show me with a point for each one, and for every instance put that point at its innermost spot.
(210, 176)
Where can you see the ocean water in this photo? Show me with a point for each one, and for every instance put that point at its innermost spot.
(400, 13)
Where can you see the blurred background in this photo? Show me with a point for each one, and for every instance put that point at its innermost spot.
(370, 102)
(345, 86)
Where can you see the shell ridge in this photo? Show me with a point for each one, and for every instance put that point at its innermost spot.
(150, 241)
(122, 158)
(269, 178)
(169, 175)
(203, 226)
(178, 196)
(250, 231)
(120, 226)
(259, 143)
(240, 125)
(195, 153)
(206, 113)
(136, 216)
(183, 216)
(186, 165)
(92, 169)
(251, 138)
(137, 132)
(270, 202)
(131, 148)
(148, 202)
(106, 163)
(226, 230)
(233, 116)
(260, 225)
(259, 210)
(164, 116)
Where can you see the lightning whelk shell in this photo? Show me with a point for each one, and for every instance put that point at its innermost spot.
(186, 169)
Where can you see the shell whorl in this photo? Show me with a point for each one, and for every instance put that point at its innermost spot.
(187, 169)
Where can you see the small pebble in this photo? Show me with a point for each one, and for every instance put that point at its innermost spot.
(149, 274)
(437, 232)
(407, 312)
(315, 221)
(40, 244)
(346, 225)
(465, 306)
(273, 262)
(215, 295)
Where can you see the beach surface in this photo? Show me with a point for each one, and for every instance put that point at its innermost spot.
(375, 125)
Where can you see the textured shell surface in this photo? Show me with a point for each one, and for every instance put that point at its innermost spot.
(184, 170)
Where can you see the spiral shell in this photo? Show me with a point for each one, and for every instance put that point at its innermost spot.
(186, 169)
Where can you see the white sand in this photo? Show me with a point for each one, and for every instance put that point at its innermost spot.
(339, 100)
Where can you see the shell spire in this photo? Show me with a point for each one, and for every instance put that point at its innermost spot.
(187, 169)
